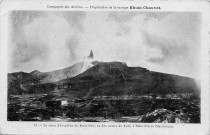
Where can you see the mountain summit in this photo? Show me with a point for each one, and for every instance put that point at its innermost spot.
(91, 55)
(88, 62)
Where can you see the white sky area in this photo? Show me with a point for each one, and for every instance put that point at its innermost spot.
(165, 41)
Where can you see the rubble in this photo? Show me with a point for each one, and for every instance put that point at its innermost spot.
(164, 116)
(46, 107)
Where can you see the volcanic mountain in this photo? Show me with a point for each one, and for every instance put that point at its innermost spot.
(116, 78)
(92, 78)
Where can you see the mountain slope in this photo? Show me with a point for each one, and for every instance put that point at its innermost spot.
(116, 78)
(19, 82)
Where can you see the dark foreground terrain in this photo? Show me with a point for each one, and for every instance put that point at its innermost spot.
(173, 108)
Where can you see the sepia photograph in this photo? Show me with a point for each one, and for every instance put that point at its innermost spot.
(114, 67)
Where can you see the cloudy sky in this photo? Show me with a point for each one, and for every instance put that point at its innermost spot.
(164, 41)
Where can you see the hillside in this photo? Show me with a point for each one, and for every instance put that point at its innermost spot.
(19, 82)
(116, 78)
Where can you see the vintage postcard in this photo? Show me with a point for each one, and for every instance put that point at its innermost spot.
(102, 67)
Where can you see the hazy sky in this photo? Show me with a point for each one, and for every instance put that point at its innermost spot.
(162, 41)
